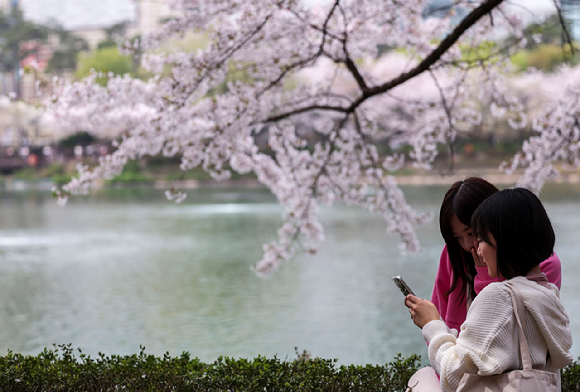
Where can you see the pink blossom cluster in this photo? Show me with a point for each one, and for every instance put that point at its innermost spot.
(314, 65)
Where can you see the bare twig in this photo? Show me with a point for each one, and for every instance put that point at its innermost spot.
(565, 31)
(447, 108)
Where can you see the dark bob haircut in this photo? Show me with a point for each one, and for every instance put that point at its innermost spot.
(461, 200)
(521, 228)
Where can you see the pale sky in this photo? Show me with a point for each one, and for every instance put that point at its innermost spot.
(536, 5)
(102, 13)
(73, 14)
(540, 7)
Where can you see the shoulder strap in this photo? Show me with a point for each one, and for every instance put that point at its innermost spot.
(520, 313)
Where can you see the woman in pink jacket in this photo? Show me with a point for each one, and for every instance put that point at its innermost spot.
(462, 274)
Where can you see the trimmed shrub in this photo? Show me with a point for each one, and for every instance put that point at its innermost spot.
(59, 370)
(571, 377)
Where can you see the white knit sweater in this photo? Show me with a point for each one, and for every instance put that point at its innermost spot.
(488, 341)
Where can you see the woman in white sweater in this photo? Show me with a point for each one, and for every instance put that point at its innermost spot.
(515, 235)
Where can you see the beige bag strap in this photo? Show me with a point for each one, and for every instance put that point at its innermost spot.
(520, 313)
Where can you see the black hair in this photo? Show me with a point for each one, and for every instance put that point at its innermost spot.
(521, 229)
(461, 200)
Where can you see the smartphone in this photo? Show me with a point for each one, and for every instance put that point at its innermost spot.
(405, 289)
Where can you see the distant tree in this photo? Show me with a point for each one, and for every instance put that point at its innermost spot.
(115, 35)
(548, 57)
(78, 139)
(548, 45)
(15, 30)
(66, 50)
(551, 31)
(105, 60)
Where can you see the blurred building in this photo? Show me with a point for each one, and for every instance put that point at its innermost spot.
(23, 141)
(85, 18)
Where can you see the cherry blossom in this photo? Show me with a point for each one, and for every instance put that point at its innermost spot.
(293, 71)
(556, 126)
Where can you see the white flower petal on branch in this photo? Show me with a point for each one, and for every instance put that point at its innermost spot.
(308, 80)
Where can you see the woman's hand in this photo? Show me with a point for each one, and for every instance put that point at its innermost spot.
(422, 311)
(478, 260)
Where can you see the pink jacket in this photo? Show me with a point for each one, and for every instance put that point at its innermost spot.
(451, 310)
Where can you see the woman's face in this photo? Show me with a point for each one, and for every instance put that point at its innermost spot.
(488, 253)
(463, 234)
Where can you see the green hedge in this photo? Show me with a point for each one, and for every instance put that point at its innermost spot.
(60, 370)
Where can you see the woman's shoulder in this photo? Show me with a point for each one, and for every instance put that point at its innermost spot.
(536, 296)
(444, 254)
(490, 310)
(494, 288)
(493, 295)
(535, 293)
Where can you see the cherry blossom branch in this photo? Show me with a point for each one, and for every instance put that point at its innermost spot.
(423, 66)
(312, 70)
(436, 54)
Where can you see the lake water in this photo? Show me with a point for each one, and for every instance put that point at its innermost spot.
(120, 269)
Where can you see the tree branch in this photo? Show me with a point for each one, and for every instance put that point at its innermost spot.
(312, 58)
(282, 116)
(447, 109)
(564, 29)
(435, 55)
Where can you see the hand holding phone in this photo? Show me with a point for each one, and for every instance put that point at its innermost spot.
(422, 311)
(405, 289)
